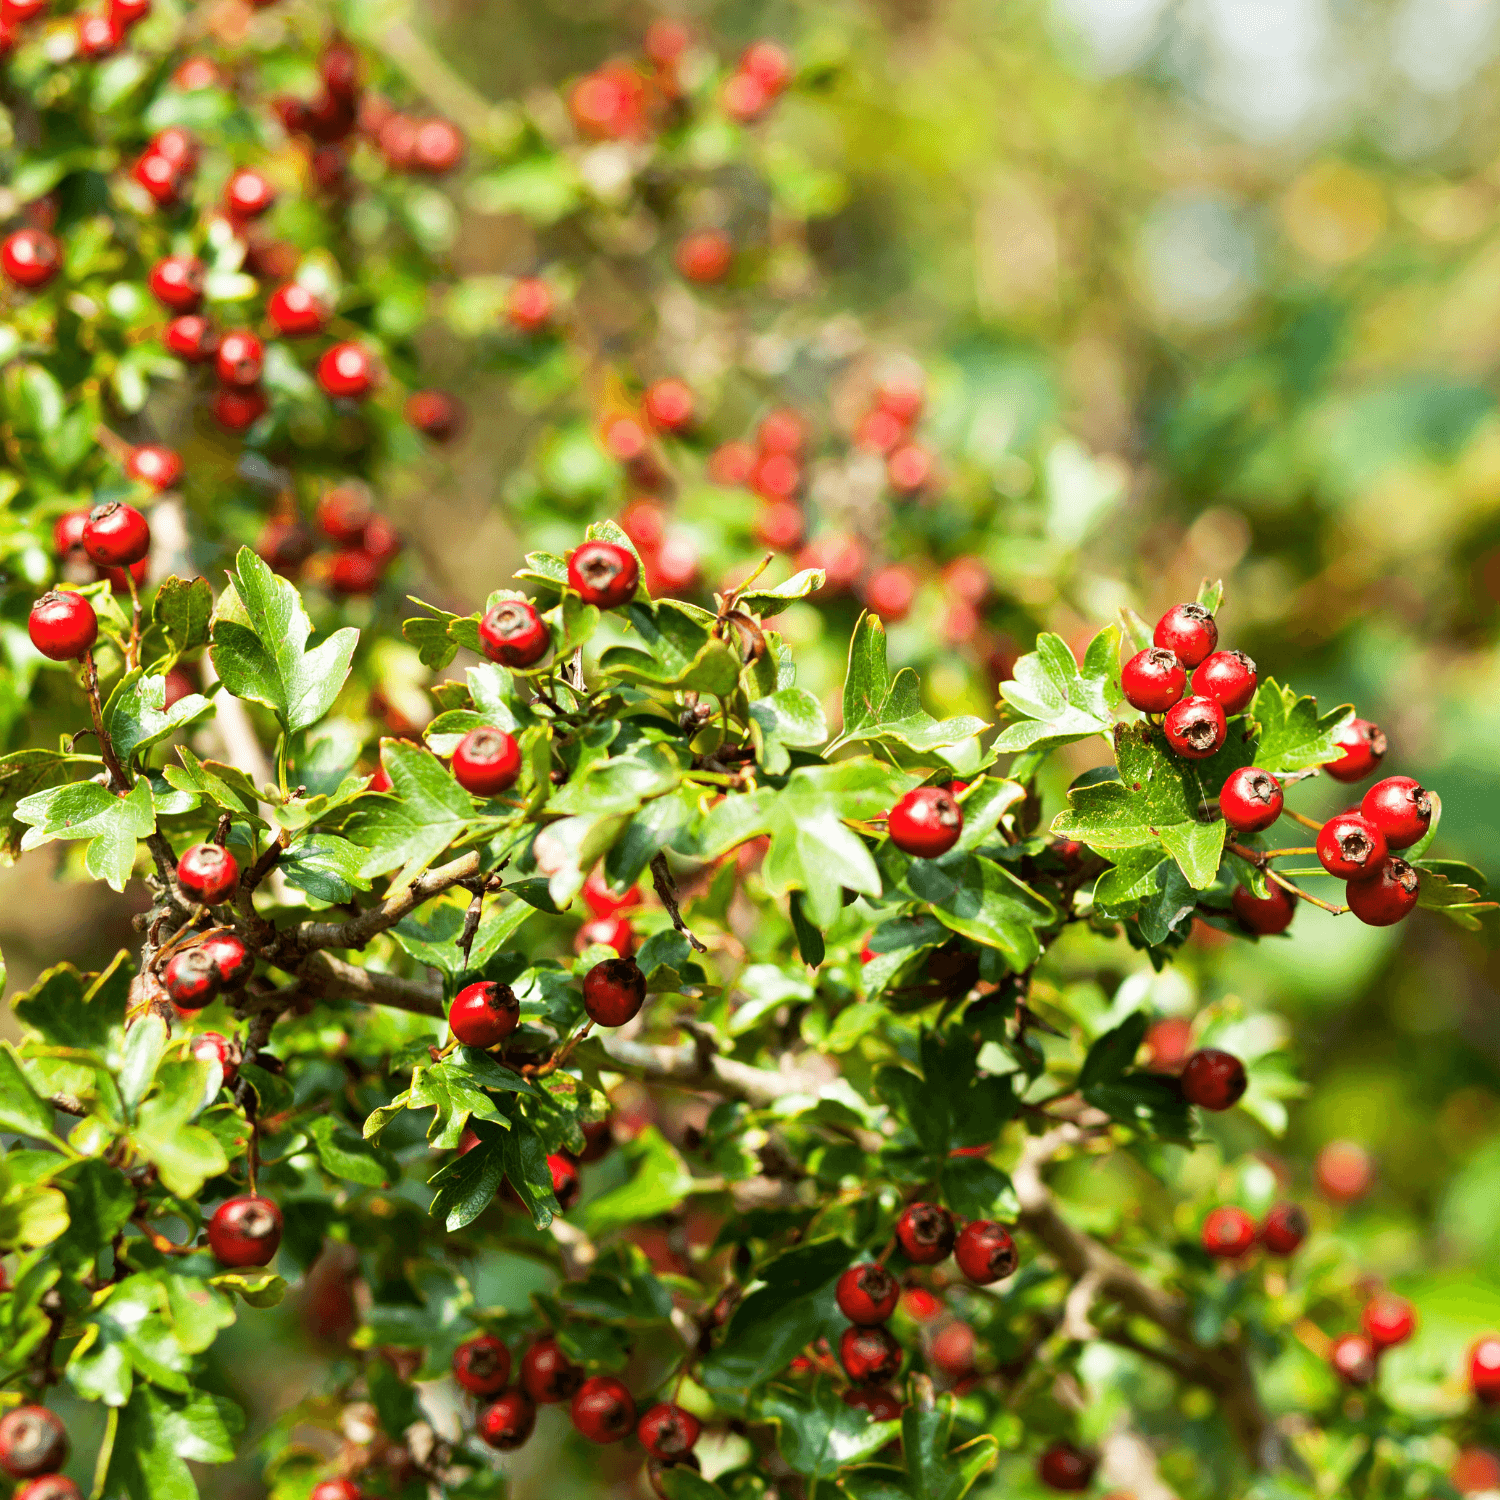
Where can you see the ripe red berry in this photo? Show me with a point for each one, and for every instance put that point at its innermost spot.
(176, 281)
(1363, 744)
(437, 147)
(336, 1489)
(486, 762)
(925, 823)
(434, 414)
(49, 1487)
(668, 1432)
(779, 525)
(891, 592)
(705, 255)
(294, 312)
(347, 372)
(174, 144)
(768, 64)
(232, 961)
(1214, 1080)
(245, 1231)
(152, 464)
(30, 258)
(1352, 1356)
(1484, 1369)
(1251, 799)
(355, 571)
(507, 1421)
(614, 991)
(566, 1183)
(514, 634)
(867, 1294)
(192, 982)
(603, 573)
(1188, 631)
(241, 359)
(1228, 677)
(98, 36)
(547, 1374)
(908, 468)
(67, 531)
(601, 898)
(1284, 1229)
(342, 514)
(1265, 915)
(925, 1233)
(883, 1406)
(248, 195)
(1344, 1171)
(1388, 1320)
(603, 1410)
(985, 1252)
(160, 176)
(62, 625)
(235, 410)
(116, 535)
(669, 405)
(19, 12)
(483, 1014)
(1350, 846)
(608, 932)
(1387, 896)
(211, 1046)
(1400, 808)
(196, 73)
(1195, 728)
(127, 13)
(870, 1356)
(529, 304)
(481, 1365)
(208, 873)
(952, 1350)
(33, 1441)
(1167, 1043)
(1153, 680)
(1064, 1467)
(1228, 1233)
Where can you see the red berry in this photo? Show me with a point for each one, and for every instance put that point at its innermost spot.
(921, 1304)
(294, 312)
(514, 634)
(731, 464)
(1474, 1471)
(343, 513)
(745, 99)
(1344, 1171)
(1350, 846)
(779, 525)
(355, 571)
(173, 144)
(437, 147)
(1228, 677)
(241, 359)
(669, 404)
(705, 255)
(776, 476)
(1484, 1369)
(486, 762)
(1213, 1080)
(1265, 915)
(248, 195)
(908, 468)
(1167, 1042)
(668, 1432)
(1284, 1229)
(925, 1233)
(1195, 728)
(208, 873)
(603, 573)
(507, 1421)
(210, 1046)
(768, 64)
(127, 13)
(608, 932)
(196, 73)
(434, 414)
(33, 1441)
(985, 1252)
(483, 1014)
(1251, 799)
(601, 898)
(347, 372)
(925, 823)
(382, 541)
(529, 304)
(1388, 1320)
(1352, 1356)
(67, 531)
(1228, 1233)
(1153, 680)
(176, 281)
(1064, 1467)
(336, 1489)
(1387, 896)
(547, 1374)
(870, 1356)
(192, 982)
(1188, 630)
(116, 535)
(120, 579)
(245, 1231)
(614, 991)
(232, 961)
(1400, 808)
(481, 1365)
(339, 66)
(160, 176)
(603, 1410)
(62, 625)
(867, 1294)
(236, 410)
(1363, 744)
(152, 464)
(30, 258)
(883, 1406)
(953, 1351)
(19, 12)
(891, 592)
(49, 1487)
(98, 36)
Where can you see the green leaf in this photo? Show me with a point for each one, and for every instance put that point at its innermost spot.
(1455, 889)
(681, 651)
(185, 1155)
(1114, 1052)
(920, 1105)
(136, 716)
(768, 602)
(20, 1108)
(256, 1288)
(225, 786)
(788, 719)
(328, 868)
(70, 1009)
(427, 811)
(1211, 594)
(1293, 735)
(181, 611)
(935, 1468)
(1149, 1103)
(818, 1435)
(432, 932)
(85, 810)
(1054, 702)
(260, 635)
(527, 1172)
(344, 1153)
(160, 1433)
(658, 1182)
(678, 1482)
(467, 1185)
(24, 773)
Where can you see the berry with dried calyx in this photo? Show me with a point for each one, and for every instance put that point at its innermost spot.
(1388, 1320)
(116, 535)
(1251, 799)
(668, 1432)
(925, 1233)
(1153, 680)
(1065, 1467)
(1400, 808)
(211, 1046)
(1352, 1356)
(1387, 896)
(1228, 677)
(926, 822)
(547, 1374)
(191, 979)
(514, 634)
(867, 1294)
(1284, 1229)
(232, 961)
(614, 991)
(241, 359)
(1350, 846)
(62, 625)
(49, 1487)
(1364, 745)
(1188, 631)
(481, 1365)
(603, 574)
(486, 762)
(33, 1441)
(482, 1015)
(1213, 1080)
(985, 1252)
(152, 464)
(245, 1231)
(1195, 727)
(870, 1356)
(1228, 1233)
(507, 1421)
(603, 1410)
(208, 873)
(192, 339)
(1267, 915)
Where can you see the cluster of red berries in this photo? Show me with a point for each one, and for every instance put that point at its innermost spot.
(33, 1447)
(96, 34)
(1230, 1233)
(365, 543)
(485, 1013)
(774, 467)
(1387, 1321)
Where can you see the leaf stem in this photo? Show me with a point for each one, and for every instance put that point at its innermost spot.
(133, 651)
(117, 773)
(1282, 853)
(1297, 890)
(1303, 819)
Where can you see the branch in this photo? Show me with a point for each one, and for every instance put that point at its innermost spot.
(696, 1065)
(457, 99)
(358, 931)
(332, 978)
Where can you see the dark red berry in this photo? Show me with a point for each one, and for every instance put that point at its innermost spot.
(1400, 808)
(192, 338)
(883, 1406)
(1195, 728)
(208, 873)
(33, 1441)
(294, 312)
(355, 571)
(668, 1432)
(1228, 677)
(437, 147)
(1188, 631)
(603, 1410)
(870, 1356)
(340, 68)
(127, 13)
(926, 822)
(1228, 1233)
(481, 1365)
(98, 36)
(507, 1421)
(435, 414)
(1387, 896)
(232, 961)
(1251, 799)
(547, 1374)
(152, 464)
(1484, 1370)
(67, 531)
(49, 1487)
(925, 1233)
(985, 1252)
(1352, 1356)
(191, 979)
(514, 634)
(486, 762)
(1363, 744)
(952, 1350)
(336, 1489)
(1284, 1229)
(177, 283)
(566, 1183)
(705, 255)
(1388, 1320)
(62, 625)
(614, 991)
(1350, 846)
(1153, 680)
(248, 195)
(116, 535)
(1213, 1080)
(1265, 915)
(210, 1046)
(236, 410)
(483, 1015)
(604, 574)
(245, 1231)
(1062, 1466)
(347, 372)
(867, 1294)
(241, 359)
(30, 258)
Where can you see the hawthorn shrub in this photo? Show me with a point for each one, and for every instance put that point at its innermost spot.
(760, 1051)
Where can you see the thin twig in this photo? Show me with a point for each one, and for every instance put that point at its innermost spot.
(666, 890)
